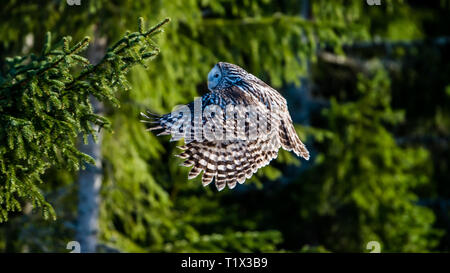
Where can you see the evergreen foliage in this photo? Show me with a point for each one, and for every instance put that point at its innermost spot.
(375, 184)
(44, 104)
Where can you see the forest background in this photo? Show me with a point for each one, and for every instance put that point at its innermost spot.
(367, 85)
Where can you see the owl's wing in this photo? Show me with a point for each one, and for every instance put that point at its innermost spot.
(185, 121)
(180, 119)
(229, 162)
(280, 116)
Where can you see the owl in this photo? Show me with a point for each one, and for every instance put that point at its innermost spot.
(232, 131)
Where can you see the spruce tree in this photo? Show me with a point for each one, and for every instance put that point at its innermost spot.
(45, 105)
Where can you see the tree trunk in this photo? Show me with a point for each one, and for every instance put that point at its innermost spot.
(90, 179)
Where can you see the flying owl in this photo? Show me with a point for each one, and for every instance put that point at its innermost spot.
(232, 131)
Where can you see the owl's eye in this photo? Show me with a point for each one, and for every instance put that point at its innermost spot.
(216, 75)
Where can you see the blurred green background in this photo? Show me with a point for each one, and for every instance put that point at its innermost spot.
(368, 87)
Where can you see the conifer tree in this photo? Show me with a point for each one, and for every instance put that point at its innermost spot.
(45, 105)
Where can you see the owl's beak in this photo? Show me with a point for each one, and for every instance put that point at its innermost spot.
(211, 85)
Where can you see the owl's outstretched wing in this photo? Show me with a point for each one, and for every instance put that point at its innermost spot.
(232, 161)
(193, 116)
(279, 113)
(228, 162)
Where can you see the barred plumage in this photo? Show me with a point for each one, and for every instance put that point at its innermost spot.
(232, 131)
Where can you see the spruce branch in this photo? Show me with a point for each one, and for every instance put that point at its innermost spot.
(44, 106)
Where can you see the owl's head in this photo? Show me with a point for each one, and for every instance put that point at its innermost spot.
(224, 75)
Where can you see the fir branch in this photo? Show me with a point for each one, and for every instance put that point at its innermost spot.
(113, 50)
(44, 106)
